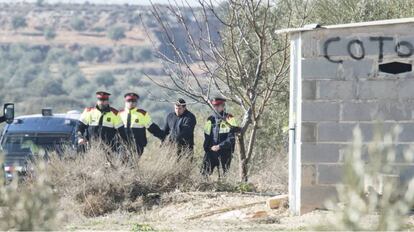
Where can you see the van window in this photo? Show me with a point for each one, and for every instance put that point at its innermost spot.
(36, 145)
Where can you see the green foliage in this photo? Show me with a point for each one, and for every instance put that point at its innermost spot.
(142, 54)
(141, 228)
(49, 33)
(245, 187)
(36, 56)
(56, 80)
(105, 79)
(116, 33)
(124, 54)
(90, 54)
(347, 11)
(73, 81)
(77, 24)
(25, 75)
(29, 206)
(40, 2)
(98, 29)
(18, 22)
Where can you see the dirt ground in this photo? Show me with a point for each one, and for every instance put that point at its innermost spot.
(182, 212)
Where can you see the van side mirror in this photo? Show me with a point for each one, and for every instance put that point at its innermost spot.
(8, 112)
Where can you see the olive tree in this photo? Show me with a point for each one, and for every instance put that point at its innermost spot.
(349, 11)
(116, 33)
(18, 22)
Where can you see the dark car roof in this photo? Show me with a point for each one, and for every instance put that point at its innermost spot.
(61, 123)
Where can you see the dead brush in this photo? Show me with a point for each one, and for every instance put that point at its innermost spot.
(102, 182)
(270, 171)
(98, 182)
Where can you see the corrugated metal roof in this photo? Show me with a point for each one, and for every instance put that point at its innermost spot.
(349, 25)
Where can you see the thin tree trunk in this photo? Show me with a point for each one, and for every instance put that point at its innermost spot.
(246, 152)
(242, 159)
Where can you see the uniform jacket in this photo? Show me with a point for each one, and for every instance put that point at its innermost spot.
(135, 128)
(101, 124)
(220, 130)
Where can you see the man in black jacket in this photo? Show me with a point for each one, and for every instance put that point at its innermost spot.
(179, 127)
(219, 138)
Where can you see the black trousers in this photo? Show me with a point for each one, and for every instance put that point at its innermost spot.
(216, 159)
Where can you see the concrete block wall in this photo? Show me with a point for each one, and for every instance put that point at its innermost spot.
(342, 87)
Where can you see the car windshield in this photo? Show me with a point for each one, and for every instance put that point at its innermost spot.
(34, 144)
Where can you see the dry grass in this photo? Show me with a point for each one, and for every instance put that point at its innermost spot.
(100, 183)
(76, 189)
(95, 184)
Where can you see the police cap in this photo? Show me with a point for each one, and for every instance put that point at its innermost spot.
(102, 95)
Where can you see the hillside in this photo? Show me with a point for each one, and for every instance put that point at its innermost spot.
(67, 51)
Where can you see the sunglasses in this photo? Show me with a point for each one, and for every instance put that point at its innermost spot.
(132, 101)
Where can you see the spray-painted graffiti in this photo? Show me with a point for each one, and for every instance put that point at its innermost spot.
(403, 49)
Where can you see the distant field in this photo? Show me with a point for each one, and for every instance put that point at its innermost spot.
(135, 37)
(90, 70)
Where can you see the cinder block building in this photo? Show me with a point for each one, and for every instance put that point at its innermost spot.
(343, 76)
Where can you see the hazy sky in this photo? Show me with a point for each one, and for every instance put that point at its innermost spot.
(137, 2)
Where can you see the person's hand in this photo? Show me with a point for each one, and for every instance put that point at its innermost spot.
(215, 148)
(82, 141)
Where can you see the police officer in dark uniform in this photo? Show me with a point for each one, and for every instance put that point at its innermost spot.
(101, 122)
(219, 138)
(136, 121)
(179, 127)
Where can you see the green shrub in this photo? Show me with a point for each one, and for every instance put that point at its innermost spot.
(141, 228)
(40, 2)
(98, 29)
(49, 33)
(74, 81)
(90, 53)
(45, 86)
(116, 33)
(105, 79)
(35, 56)
(146, 54)
(372, 188)
(124, 54)
(18, 22)
(25, 75)
(77, 24)
(28, 206)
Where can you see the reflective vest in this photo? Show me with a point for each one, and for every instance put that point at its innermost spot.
(139, 118)
(220, 133)
(224, 127)
(135, 122)
(103, 125)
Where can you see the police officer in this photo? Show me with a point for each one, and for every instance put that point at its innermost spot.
(219, 138)
(101, 122)
(136, 122)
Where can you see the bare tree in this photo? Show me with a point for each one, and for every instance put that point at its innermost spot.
(232, 50)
